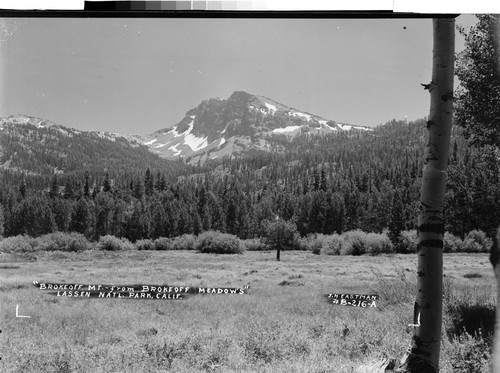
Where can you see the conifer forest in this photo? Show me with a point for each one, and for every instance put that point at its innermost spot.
(367, 180)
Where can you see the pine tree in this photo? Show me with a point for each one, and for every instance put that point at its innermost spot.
(138, 191)
(231, 211)
(160, 183)
(68, 192)
(145, 222)
(104, 214)
(86, 185)
(323, 180)
(118, 218)
(396, 222)
(33, 216)
(2, 221)
(316, 179)
(148, 183)
(158, 222)
(81, 220)
(317, 213)
(61, 209)
(54, 187)
(133, 228)
(106, 185)
(22, 188)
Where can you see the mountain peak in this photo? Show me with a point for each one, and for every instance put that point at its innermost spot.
(241, 124)
(240, 95)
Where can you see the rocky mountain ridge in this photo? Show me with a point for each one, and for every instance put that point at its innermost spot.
(244, 123)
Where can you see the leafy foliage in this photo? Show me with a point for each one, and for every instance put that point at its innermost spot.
(477, 107)
(281, 235)
(408, 241)
(18, 244)
(112, 243)
(59, 241)
(218, 243)
(144, 245)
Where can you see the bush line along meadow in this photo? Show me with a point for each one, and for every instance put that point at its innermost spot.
(354, 242)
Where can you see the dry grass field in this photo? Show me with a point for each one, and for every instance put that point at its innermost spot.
(282, 324)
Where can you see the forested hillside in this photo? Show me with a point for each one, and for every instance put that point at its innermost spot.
(34, 150)
(368, 180)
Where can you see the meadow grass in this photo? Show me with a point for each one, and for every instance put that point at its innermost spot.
(282, 325)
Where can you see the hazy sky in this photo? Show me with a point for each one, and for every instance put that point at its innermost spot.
(141, 75)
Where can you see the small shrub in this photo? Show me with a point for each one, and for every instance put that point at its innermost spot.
(471, 354)
(163, 243)
(395, 290)
(332, 245)
(302, 244)
(254, 244)
(218, 243)
(60, 241)
(184, 242)
(469, 317)
(313, 246)
(144, 245)
(473, 275)
(355, 243)
(18, 244)
(290, 283)
(112, 243)
(378, 243)
(408, 241)
(312, 243)
(476, 241)
(452, 244)
(470, 246)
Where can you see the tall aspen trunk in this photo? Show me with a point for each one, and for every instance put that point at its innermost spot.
(495, 258)
(495, 249)
(423, 355)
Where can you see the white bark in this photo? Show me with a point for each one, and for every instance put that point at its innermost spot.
(495, 252)
(424, 353)
(495, 257)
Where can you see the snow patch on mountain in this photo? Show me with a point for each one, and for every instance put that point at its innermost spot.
(105, 135)
(195, 143)
(324, 123)
(175, 150)
(286, 129)
(150, 142)
(174, 132)
(272, 109)
(299, 114)
(263, 111)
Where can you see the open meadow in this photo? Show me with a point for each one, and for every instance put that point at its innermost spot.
(283, 324)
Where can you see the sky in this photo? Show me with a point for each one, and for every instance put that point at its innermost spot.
(136, 76)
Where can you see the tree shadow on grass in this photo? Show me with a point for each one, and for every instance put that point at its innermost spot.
(471, 319)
